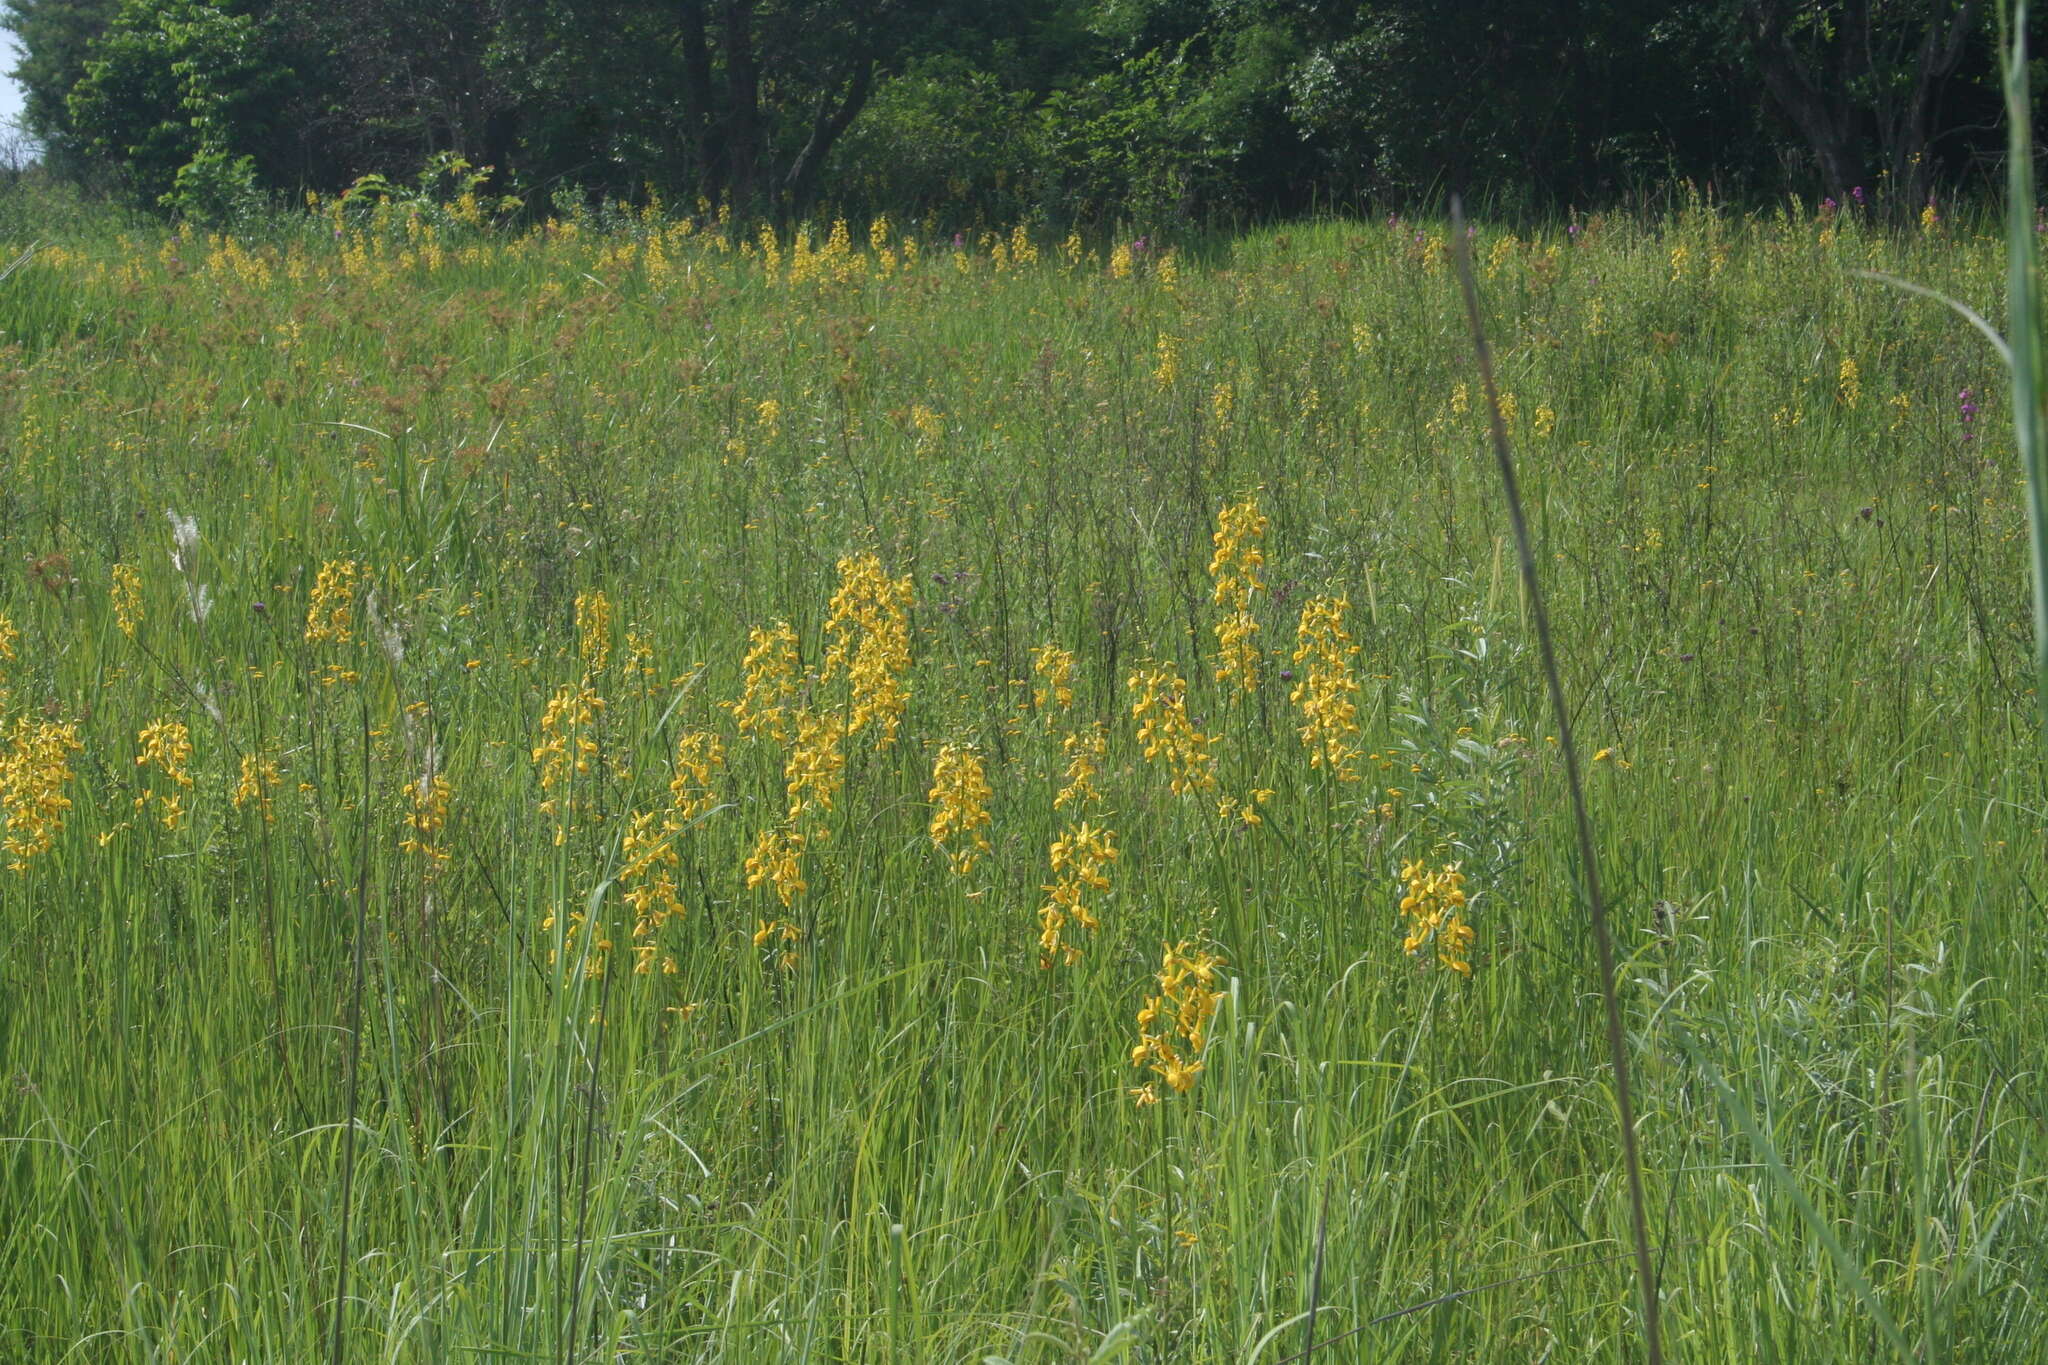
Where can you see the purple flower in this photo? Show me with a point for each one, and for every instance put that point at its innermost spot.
(959, 240)
(1142, 245)
(1572, 231)
(1857, 194)
(1829, 205)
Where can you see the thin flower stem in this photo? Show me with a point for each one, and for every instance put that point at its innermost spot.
(355, 1043)
(1596, 904)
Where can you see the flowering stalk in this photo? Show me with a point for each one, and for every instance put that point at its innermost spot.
(1173, 1026)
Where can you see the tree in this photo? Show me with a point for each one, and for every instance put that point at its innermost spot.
(1853, 75)
(734, 100)
(177, 83)
(55, 38)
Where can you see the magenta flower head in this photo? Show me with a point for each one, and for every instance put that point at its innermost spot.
(1857, 195)
(1142, 245)
(1829, 205)
(959, 240)
(1572, 231)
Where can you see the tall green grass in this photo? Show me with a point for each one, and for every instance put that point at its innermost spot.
(1790, 602)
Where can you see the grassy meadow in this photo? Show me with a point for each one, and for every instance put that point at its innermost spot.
(636, 790)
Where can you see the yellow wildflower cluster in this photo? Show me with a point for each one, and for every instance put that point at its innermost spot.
(259, 778)
(959, 798)
(1161, 710)
(813, 773)
(1173, 1027)
(593, 630)
(34, 767)
(566, 750)
(426, 817)
(868, 631)
(597, 948)
(699, 753)
(166, 746)
(648, 866)
(636, 663)
(770, 669)
(124, 593)
(1849, 383)
(1054, 668)
(1245, 812)
(649, 858)
(1324, 692)
(778, 858)
(1085, 751)
(1434, 907)
(330, 612)
(1240, 527)
(816, 767)
(769, 931)
(1168, 368)
(1080, 865)
(1222, 401)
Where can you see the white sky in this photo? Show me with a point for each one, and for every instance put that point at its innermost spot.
(10, 94)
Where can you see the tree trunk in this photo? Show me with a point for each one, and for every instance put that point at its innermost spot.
(744, 148)
(1824, 117)
(1865, 49)
(802, 182)
(707, 153)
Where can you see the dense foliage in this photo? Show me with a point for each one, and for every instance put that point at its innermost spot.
(1154, 110)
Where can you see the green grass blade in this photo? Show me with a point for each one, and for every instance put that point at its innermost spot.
(2023, 307)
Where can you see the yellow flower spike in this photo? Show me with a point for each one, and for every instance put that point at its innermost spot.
(1086, 751)
(124, 594)
(330, 611)
(565, 750)
(1160, 708)
(1186, 1001)
(699, 754)
(868, 634)
(427, 800)
(1055, 669)
(1080, 858)
(1325, 691)
(1234, 568)
(1433, 907)
(815, 770)
(35, 766)
(593, 630)
(959, 797)
(770, 667)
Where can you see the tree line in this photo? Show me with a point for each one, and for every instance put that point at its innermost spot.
(1001, 110)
